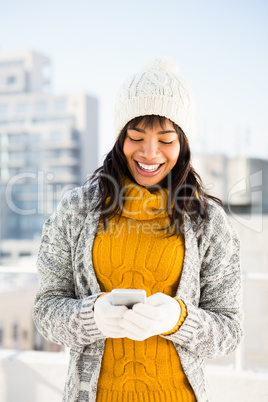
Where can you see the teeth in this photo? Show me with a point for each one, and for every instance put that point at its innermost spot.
(148, 168)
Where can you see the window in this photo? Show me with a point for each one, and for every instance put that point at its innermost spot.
(22, 108)
(75, 136)
(58, 170)
(64, 170)
(3, 109)
(1, 336)
(56, 136)
(41, 107)
(30, 187)
(11, 63)
(34, 157)
(3, 139)
(60, 105)
(15, 332)
(16, 156)
(17, 138)
(13, 224)
(61, 153)
(4, 173)
(25, 254)
(53, 153)
(13, 171)
(11, 80)
(74, 153)
(35, 138)
(24, 335)
(5, 254)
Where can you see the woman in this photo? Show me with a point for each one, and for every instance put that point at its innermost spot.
(144, 221)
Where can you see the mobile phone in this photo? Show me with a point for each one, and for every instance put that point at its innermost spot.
(128, 297)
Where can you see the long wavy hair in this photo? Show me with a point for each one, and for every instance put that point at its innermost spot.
(186, 191)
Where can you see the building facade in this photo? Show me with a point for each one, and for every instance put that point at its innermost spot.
(241, 183)
(48, 145)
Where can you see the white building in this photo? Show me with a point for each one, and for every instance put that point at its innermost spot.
(241, 183)
(48, 144)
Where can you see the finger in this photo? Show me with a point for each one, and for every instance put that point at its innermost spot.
(155, 313)
(109, 328)
(112, 322)
(139, 320)
(133, 330)
(110, 311)
(129, 335)
(157, 299)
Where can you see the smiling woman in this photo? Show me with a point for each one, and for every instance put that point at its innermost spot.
(143, 221)
(154, 152)
(151, 151)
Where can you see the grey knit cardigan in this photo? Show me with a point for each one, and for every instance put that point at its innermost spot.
(210, 286)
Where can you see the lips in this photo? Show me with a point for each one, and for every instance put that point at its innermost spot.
(148, 169)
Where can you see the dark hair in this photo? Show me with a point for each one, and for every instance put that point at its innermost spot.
(186, 195)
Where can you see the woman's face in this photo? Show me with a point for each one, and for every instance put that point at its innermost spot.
(151, 153)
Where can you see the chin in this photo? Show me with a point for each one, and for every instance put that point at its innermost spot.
(148, 183)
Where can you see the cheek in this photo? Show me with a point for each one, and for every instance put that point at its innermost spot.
(126, 151)
(128, 148)
(173, 154)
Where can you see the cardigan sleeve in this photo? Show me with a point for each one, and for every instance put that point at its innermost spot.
(214, 327)
(58, 315)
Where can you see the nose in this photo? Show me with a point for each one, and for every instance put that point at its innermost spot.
(149, 149)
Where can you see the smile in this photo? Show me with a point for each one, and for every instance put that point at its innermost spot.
(148, 168)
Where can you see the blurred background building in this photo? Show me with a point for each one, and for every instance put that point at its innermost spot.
(48, 145)
(240, 182)
(242, 185)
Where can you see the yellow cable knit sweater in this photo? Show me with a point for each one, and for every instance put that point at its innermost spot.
(133, 253)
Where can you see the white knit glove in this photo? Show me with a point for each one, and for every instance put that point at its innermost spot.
(159, 315)
(108, 317)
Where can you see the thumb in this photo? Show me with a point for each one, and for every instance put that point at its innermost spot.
(157, 299)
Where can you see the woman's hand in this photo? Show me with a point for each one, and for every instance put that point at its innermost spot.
(160, 314)
(108, 317)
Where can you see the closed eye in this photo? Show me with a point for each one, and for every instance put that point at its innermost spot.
(141, 139)
(132, 139)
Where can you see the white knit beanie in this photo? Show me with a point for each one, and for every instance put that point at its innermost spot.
(157, 90)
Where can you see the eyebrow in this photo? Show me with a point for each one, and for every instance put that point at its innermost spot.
(159, 132)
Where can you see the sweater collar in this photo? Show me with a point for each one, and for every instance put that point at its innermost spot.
(141, 204)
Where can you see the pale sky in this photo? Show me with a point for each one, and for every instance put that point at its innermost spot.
(221, 48)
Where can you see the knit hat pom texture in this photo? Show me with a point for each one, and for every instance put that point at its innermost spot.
(162, 64)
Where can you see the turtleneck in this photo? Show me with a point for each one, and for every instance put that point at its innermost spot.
(142, 204)
(134, 253)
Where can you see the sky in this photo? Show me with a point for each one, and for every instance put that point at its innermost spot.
(220, 48)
